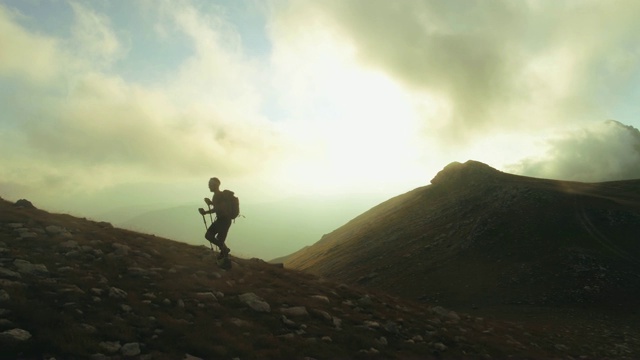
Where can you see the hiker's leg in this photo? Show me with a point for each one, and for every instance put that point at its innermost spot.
(225, 224)
(210, 235)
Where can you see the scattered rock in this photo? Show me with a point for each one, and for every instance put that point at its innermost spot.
(54, 229)
(440, 346)
(207, 296)
(191, 357)
(130, 349)
(295, 311)
(117, 293)
(321, 298)
(255, 302)
(26, 267)
(110, 347)
(6, 273)
(16, 335)
(449, 314)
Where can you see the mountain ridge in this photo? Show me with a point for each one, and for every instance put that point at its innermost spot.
(476, 236)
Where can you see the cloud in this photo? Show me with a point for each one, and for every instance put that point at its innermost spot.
(499, 65)
(94, 37)
(604, 151)
(92, 128)
(34, 57)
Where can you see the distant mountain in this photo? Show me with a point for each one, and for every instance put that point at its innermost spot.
(71, 288)
(480, 237)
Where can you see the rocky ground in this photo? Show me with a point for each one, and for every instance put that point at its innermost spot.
(75, 288)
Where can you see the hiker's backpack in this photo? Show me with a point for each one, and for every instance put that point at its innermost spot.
(229, 205)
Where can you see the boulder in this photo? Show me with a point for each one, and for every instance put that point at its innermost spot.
(24, 203)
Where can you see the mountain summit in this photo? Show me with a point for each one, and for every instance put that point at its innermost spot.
(471, 171)
(479, 237)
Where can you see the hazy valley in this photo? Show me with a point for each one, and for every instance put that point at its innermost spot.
(266, 230)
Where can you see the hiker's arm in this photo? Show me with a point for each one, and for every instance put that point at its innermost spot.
(210, 211)
(204, 212)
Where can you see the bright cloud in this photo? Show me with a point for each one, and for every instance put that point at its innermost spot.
(600, 152)
(502, 65)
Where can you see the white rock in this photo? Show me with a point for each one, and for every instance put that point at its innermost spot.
(110, 347)
(255, 302)
(26, 267)
(17, 334)
(207, 296)
(6, 273)
(321, 298)
(130, 349)
(439, 310)
(191, 357)
(116, 293)
(440, 346)
(295, 311)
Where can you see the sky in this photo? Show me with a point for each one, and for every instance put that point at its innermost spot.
(115, 103)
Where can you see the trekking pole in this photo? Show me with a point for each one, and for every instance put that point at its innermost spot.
(211, 218)
(206, 228)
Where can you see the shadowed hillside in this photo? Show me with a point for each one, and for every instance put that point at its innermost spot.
(73, 288)
(477, 237)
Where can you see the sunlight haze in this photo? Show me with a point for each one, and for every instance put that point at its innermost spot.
(116, 105)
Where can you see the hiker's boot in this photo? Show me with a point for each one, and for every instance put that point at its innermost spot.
(225, 251)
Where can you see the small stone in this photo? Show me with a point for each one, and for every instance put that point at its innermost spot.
(110, 347)
(130, 349)
(6, 273)
(207, 296)
(54, 229)
(295, 311)
(255, 302)
(440, 346)
(116, 293)
(26, 267)
(321, 298)
(16, 334)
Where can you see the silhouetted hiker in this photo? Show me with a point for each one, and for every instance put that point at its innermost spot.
(226, 207)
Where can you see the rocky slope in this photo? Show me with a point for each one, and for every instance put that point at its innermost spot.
(74, 288)
(480, 237)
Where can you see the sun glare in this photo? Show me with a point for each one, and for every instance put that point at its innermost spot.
(367, 136)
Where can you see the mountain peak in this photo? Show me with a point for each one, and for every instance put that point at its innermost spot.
(469, 171)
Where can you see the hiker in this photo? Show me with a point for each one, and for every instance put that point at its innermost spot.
(225, 206)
